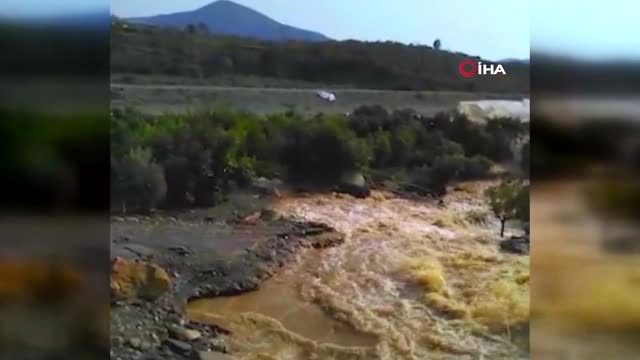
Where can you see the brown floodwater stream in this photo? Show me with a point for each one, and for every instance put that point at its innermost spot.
(412, 281)
(277, 299)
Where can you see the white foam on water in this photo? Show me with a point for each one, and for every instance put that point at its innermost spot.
(365, 285)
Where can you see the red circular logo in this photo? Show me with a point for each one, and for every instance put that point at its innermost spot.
(467, 73)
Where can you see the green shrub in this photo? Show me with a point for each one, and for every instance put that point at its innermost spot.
(380, 144)
(366, 120)
(477, 167)
(446, 169)
(138, 181)
(492, 140)
(463, 168)
(322, 151)
(203, 155)
(434, 179)
(509, 200)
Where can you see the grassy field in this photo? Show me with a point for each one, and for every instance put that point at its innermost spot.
(159, 98)
(236, 80)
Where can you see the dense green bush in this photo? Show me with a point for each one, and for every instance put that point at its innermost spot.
(322, 151)
(448, 168)
(509, 200)
(369, 119)
(137, 182)
(438, 176)
(495, 139)
(477, 167)
(203, 156)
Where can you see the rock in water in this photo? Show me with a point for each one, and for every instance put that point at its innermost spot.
(267, 187)
(179, 346)
(218, 345)
(182, 333)
(137, 280)
(353, 183)
(516, 245)
(327, 239)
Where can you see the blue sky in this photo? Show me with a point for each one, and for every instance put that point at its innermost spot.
(493, 29)
(591, 29)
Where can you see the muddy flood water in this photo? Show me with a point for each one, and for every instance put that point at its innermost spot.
(585, 299)
(413, 280)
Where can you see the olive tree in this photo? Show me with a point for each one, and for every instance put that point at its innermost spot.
(509, 200)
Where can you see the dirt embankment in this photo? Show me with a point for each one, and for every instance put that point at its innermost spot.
(202, 257)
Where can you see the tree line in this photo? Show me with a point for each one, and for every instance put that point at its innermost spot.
(197, 159)
(139, 49)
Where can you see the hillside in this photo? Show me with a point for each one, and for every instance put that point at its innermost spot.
(149, 50)
(558, 74)
(228, 18)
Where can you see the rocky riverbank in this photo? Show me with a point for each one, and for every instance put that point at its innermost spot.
(161, 262)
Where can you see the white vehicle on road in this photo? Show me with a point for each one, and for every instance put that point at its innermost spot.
(326, 95)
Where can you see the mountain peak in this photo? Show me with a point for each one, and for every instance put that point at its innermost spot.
(230, 18)
(228, 2)
(224, 4)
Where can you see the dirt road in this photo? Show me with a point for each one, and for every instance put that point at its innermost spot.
(158, 98)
